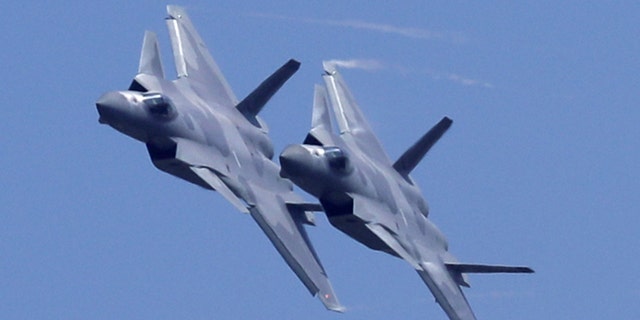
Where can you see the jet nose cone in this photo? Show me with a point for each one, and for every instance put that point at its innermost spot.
(293, 161)
(110, 105)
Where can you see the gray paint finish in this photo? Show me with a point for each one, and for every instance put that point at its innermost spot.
(373, 200)
(195, 129)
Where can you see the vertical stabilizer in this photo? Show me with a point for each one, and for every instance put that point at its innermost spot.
(321, 132)
(253, 103)
(150, 62)
(410, 158)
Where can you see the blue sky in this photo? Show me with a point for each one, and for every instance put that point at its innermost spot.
(540, 167)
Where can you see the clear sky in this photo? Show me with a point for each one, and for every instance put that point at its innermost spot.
(540, 168)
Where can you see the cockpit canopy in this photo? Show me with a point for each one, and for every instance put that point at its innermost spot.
(338, 159)
(159, 105)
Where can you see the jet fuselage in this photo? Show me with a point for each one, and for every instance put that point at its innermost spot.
(335, 176)
(196, 129)
(164, 113)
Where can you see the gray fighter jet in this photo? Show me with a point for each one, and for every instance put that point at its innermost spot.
(373, 200)
(195, 129)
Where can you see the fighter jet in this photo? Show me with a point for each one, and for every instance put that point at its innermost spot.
(373, 200)
(195, 128)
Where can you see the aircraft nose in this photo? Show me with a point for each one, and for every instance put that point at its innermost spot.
(110, 105)
(293, 161)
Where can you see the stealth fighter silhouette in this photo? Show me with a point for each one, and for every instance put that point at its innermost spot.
(195, 129)
(373, 200)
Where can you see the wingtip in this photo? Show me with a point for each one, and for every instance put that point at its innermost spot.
(331, 302)
(445, 123)
(329, 67)
(328, 298)
(294, 64)
(176, 12)
(339, 309)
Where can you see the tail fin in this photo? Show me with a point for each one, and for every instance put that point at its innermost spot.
(253, 103)
(150, 62)
(410, 158)
(321, 132)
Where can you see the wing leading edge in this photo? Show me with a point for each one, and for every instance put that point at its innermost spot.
(280, 215)
(440, 272)
(435, 275)
(351, 122)
(287, 233)
(446, 291)
(194, 62)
